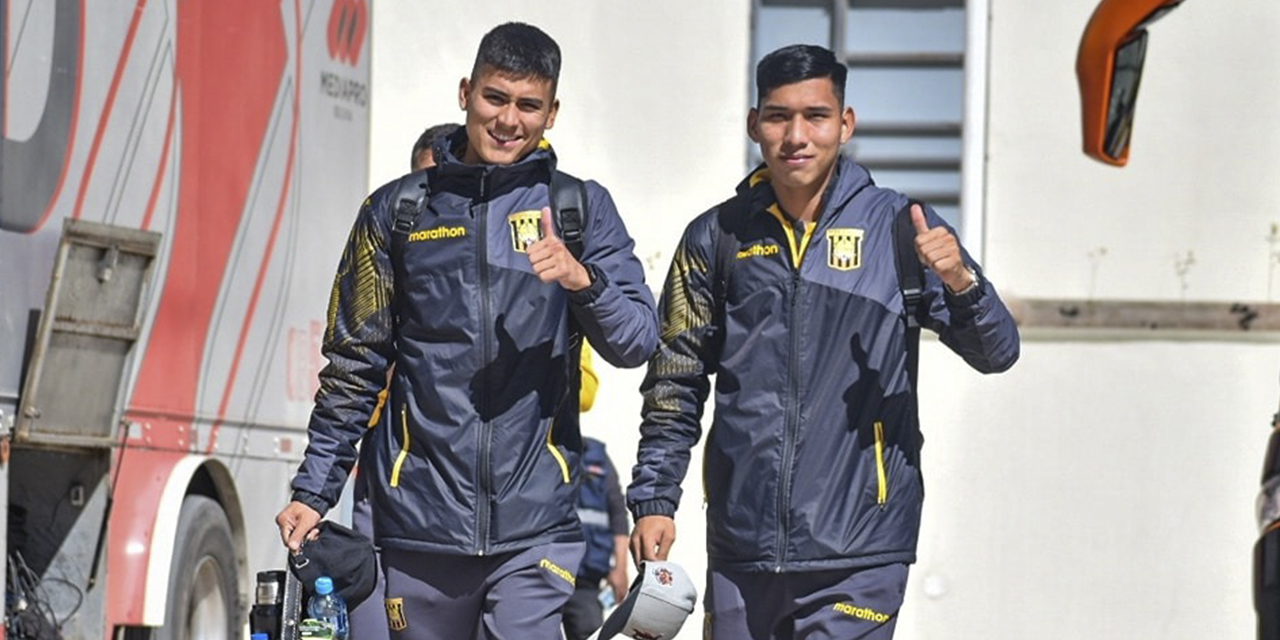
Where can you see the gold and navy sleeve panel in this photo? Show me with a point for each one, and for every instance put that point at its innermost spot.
(358, 343)
(676, 385)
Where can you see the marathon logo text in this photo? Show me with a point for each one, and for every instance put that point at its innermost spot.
(758, 251)
(558, 570)
(862, 613)
(344, 89)
(439, 233)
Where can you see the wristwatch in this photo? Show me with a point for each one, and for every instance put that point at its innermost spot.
(974, 281)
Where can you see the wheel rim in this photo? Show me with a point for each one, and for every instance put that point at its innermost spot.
(208, 606)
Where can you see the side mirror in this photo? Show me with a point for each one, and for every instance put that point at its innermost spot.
(1109, 69)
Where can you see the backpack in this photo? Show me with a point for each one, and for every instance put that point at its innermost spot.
(593, 511)
(910, 271)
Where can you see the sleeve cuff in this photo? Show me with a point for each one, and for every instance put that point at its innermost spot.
(598, 284)
(969, 297)
(311, 500)
(655, 507)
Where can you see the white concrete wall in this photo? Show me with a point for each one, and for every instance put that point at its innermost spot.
(1105, 488)
(1201, 175)
(1102, 488)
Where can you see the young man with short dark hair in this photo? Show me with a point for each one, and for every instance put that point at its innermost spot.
(481, 307)
(790, 293)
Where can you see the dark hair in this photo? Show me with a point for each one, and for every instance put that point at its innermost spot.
(797, 63)
(520, 50)
(427, 141)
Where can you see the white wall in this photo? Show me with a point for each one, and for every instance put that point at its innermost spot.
(1102, 488)
(1105, 488)
(1203, 161)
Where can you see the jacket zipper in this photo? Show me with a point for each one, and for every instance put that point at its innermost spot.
(404, 447)
(706, 496)
(481, 211)
(793, 411)
(882, 479)
(564, 464)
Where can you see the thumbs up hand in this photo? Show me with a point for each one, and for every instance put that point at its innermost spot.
(938, 250)
(552, 261)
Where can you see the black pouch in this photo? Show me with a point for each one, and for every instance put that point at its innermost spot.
(346, 556)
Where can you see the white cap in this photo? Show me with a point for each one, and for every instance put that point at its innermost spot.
(660, 599)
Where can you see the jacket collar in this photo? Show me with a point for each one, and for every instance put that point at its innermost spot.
(847, 180)
(487, 180)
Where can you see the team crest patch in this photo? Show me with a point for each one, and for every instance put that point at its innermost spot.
(526, 229)
(396, 619)
(844, 249)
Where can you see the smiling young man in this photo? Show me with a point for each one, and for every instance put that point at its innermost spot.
(789, 293)
(481, 308)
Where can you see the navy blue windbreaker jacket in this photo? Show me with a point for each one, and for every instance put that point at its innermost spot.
(812, 461)
(477, 450)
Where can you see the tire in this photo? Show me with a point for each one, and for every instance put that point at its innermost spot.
(203, 601)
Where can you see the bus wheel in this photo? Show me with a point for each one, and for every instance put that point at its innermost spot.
(202, 603)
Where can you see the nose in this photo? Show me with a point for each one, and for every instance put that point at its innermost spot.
(508, 117)
(794, 136)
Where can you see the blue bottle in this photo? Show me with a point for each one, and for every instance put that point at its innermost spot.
(328, 607)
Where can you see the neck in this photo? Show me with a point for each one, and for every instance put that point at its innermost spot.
(470, 157)
(804, 202)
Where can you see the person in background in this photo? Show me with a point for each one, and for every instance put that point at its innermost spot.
(604, 525)
(422, 157)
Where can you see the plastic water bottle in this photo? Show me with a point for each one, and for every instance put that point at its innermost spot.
(329, 608)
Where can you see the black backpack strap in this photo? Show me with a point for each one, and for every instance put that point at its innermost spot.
(410, 201)
(569, 209)
(724, 246)
(569, 212)
(911, 282)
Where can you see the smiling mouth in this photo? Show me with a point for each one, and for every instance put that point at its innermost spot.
(504, 141)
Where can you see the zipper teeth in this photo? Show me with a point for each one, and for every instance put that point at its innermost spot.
(793, 418)
(482, 503)
(404, 448)
(882, 480)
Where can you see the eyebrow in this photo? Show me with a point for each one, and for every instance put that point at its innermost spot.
(496, 92)
(777, 108)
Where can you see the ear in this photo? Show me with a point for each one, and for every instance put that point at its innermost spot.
(753, 120)
(847, 121)
(551, 114)
(464, 89)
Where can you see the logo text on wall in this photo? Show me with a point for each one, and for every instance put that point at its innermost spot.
(348, 25)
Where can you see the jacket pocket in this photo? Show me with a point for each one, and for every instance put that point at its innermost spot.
(564, 464)
(404, 447)
(882, 479)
